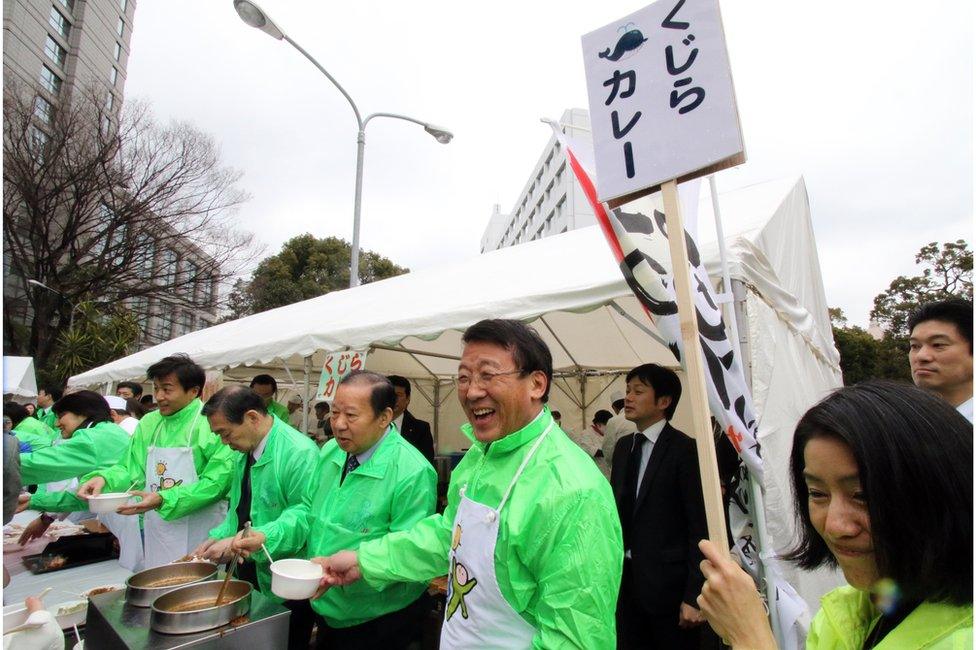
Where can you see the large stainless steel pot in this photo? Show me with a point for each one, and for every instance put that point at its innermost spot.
(236, 602)
(139, 589)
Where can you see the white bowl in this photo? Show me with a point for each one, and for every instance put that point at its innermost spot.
(115, 587)
(295, 579)
(109, 502)
(71, 612)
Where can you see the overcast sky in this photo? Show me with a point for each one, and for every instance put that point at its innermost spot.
(870, 101)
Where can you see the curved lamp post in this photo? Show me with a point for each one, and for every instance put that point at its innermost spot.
(254, 16)
(74, 306)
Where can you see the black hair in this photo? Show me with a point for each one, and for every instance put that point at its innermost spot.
(233, 402)
(914, 455)
(324, 405)
(557, 415)
(188, 374)
(400, 382)
(664, 381)
(16, 412)
(265, 380)
(135, 387)
(146, 400)
(602, 416)
(54, 391)
(529, 351)
(86, 403)
(617, 404)
(382, 395)
(954, 310)
(135, 408)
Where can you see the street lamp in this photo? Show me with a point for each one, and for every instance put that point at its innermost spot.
(254, 16)
(74, 306)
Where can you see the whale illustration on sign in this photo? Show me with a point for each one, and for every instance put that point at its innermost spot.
(631, 41)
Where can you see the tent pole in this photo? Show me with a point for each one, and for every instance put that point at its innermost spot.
(582, 381)
(638, 324)
(307, 397)
(437, 414)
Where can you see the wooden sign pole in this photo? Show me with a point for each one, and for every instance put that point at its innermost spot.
(707, 463)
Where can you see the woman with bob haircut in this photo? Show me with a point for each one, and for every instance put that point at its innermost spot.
(883, 479)
(89, 441)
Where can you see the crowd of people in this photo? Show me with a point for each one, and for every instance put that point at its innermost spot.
(591, 540)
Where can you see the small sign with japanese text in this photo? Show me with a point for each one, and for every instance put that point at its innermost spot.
(662, 104)
(337, 365)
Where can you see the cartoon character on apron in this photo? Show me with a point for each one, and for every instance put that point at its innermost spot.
(477, 615)
(166, 541)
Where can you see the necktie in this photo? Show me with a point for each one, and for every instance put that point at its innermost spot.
(629, 500)
(351, 464)
(247, 570)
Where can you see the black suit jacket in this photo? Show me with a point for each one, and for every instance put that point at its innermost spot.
(417, 433)
(666, 522)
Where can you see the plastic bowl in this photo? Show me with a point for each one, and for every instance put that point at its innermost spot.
(71, 612)
(295, 579)
(109, 502)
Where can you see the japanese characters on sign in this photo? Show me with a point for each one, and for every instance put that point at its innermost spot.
(662, 105)
(337, 365)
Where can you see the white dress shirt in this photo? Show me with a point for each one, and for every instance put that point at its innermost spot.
(966, 408)
(259, 450)
(652, 433)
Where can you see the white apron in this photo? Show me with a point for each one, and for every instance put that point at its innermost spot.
(166, 541)
(476, 614)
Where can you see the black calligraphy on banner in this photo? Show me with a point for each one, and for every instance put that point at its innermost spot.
(622, 85)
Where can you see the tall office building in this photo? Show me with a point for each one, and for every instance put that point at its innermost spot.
(552, 201)
(59, 49)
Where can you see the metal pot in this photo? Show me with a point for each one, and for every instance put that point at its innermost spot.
(236, 602)
(140, 593)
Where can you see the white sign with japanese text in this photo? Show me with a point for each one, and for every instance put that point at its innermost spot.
(337, 365)
(662, 104)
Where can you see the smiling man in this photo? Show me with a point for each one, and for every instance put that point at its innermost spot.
(268, 490)
(530, 538)
(941, 351)
(368, 482)
(178, 466)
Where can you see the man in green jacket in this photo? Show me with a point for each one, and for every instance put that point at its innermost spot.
(178, 466)
(268, 490)
(369, 481)
(530, 538)
(27, 429)
(267, 388)
(46, 397)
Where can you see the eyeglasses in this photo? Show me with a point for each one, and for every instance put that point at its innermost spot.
(483, 379)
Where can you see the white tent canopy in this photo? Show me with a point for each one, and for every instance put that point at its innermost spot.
(570, 289)
(18, 377)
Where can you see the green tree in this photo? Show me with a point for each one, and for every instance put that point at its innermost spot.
(99, 334)
(947, 272)
(306, 267)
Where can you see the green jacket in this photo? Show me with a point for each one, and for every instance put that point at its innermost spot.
(279, 410)
(391, 491)
(278, 482)
(213, 460)
(96, 447)
(35, 433)
(559, 553)
(847, 616)
(47, 416)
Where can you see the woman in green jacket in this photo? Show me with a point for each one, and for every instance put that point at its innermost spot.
(883, 479)
(89, 441)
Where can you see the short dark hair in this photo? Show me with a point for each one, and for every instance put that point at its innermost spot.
(953, 310)
(146, 400)
(188, 373)
(530, 352)
(322, 405)
(135, 408)
(557, 415)
(914, 457)
(602, 416)
(617, 404)
(233, 402)
(381, 397)
(86, 403)
(16, 412)
(54, 391)
(663, 380)
(265, 380)
(135, 387)
(400, 382)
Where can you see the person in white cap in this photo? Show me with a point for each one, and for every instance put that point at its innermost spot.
(120, 413)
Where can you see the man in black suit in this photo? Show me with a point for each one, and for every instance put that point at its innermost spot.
(416, 432)
(658, 492)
